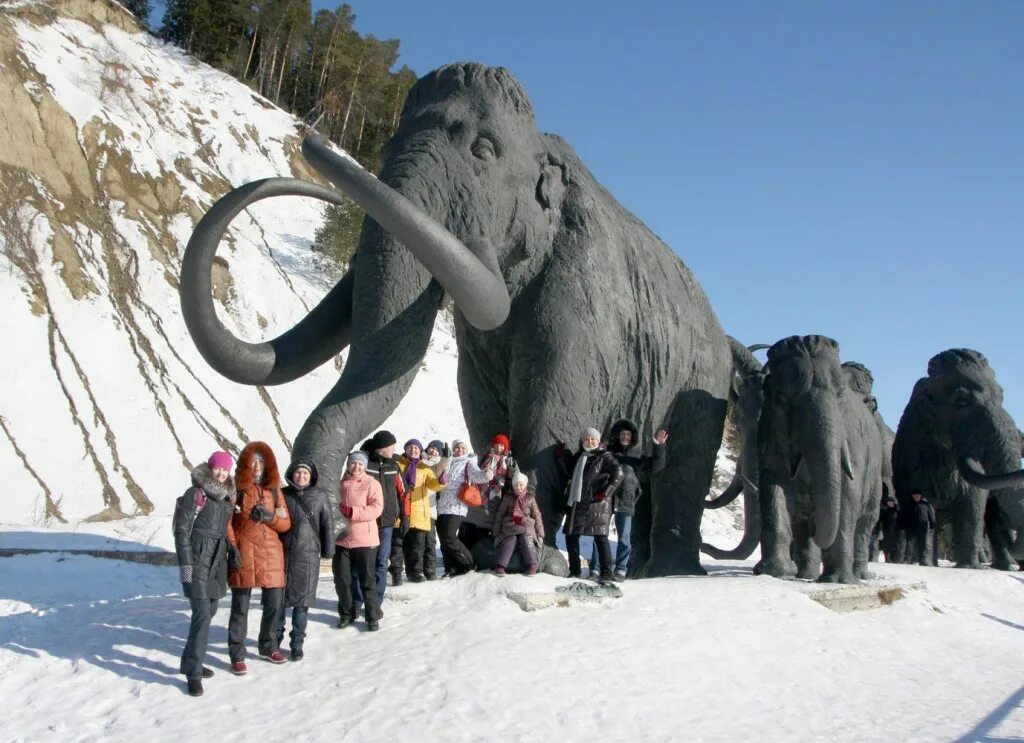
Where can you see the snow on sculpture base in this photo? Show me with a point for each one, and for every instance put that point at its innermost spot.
(842, 599)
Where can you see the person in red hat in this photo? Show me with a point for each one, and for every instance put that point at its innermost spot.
(499, 467)
(203, 537)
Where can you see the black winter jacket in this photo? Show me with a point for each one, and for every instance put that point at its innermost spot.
(634, 465)
(920, 517)
(201, 539)
(888, 527)
(602, 474)
(387, 472)
(310, 539)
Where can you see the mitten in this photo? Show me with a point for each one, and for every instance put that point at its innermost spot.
(599, 496)
(234, 557)
(346, 511)
(446, 452)
(260, 514)
(186, 573)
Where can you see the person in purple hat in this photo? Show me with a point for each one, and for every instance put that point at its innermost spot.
(203, 537)
(419, 481)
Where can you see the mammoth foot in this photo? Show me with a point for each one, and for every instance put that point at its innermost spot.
(778, 567)
(664, 568)
(807, 574)
(842, 576)
(969, 565)
(1003, 565)
(862, 572)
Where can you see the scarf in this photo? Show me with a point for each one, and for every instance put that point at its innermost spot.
(410, 473)
(519, 508)
(576, 486)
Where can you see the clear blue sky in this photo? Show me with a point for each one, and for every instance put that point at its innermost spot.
(854, 169)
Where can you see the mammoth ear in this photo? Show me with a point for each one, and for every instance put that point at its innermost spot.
(551, 182)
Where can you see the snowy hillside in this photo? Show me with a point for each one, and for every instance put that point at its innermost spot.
(112, 145)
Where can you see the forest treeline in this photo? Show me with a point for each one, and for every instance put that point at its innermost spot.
(314, 64)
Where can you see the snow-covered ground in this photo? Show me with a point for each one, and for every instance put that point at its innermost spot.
(89, 651)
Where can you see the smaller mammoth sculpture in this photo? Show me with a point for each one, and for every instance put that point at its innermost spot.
(957, 444)
(820, 464)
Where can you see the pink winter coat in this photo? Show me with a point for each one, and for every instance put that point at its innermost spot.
(363, 495)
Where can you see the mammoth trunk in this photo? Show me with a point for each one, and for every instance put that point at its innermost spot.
(822, 453)
(394, 306)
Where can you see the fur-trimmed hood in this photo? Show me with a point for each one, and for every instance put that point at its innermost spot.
(243, 470)
(314, 476)
(202, 477)
(623, 424)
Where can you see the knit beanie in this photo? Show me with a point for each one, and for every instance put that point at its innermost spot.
(591, 432)
(220, 459)
(358, 456)
(501, 439)
(383, 439)
(413, 442)
(459, 442)
(435, 444)
(520, 478)
(304, 465)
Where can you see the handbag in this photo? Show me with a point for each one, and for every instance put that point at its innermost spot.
(469, 493)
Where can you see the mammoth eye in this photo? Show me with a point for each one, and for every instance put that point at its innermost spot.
(483, 149)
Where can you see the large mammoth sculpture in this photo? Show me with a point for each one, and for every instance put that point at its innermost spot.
(820, 460)
(958, 445)
(570, 311)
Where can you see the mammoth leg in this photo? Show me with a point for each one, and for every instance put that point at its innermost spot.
(969, 527)
(1000, 538)
(696, 422)
(806, 554)
(777, 532)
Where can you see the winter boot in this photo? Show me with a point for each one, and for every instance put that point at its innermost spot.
(416, 578)
(296, 654)
(499, 570)
(195, 687)
(531, 569)
(396, 579)
(344, 622)
(207, 673)
(372, 625)
(239, 668)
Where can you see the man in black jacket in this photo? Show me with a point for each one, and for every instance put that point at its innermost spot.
(888, 529)
(624, 443)
(920, 523)
(381, 450)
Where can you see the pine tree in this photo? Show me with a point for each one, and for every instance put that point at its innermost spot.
(138, 8)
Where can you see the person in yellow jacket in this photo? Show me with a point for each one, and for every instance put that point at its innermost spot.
(419, 481)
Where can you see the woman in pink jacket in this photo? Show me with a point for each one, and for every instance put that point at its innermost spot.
(362, 503)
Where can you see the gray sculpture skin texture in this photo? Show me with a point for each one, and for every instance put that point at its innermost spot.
(571, 312)
(959, 446)
(820, 460)
(861, 381)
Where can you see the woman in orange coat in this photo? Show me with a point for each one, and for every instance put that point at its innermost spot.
(261, 514)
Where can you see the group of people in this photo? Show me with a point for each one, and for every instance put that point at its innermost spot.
(247, 531)
(906, 535)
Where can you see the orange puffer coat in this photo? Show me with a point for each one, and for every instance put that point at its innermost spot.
(262, 554)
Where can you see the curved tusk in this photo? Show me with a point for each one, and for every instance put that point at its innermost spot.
(844, 460)
(476, 285)
(312, 341)
(972, 471)
(728, 495)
